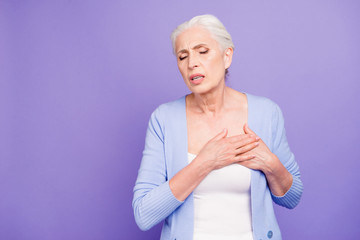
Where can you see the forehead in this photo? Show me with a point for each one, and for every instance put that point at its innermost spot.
(193, 37)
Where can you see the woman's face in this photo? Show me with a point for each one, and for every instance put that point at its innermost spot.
(200, 60)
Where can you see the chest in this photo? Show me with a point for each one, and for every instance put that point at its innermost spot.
(200, 129)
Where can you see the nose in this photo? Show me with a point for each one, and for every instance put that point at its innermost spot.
(193, 61)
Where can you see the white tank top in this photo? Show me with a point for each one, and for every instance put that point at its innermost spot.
(222, 205)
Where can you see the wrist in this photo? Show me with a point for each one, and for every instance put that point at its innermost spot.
(203, 168)
(278, 177)
(273, 166)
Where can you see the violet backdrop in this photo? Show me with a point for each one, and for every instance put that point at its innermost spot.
(79, 80)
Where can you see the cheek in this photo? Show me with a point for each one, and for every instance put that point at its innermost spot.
(215, 64)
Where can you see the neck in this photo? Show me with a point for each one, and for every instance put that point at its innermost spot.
(212, 102)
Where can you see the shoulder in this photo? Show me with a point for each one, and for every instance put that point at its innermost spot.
(262, 106)
(171, 108)
(172, 105)
(259, 101)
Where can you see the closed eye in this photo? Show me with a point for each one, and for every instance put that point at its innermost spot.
(182, 58)
(204, 51)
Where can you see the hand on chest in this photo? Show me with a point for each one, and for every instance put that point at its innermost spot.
(201, 128)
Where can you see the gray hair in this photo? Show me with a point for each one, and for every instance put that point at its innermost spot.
(210, 23)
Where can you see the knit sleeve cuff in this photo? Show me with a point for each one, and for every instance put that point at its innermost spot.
(156, 206)
(167, 199)
(292, 197)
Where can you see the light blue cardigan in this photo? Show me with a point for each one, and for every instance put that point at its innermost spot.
(165, 154)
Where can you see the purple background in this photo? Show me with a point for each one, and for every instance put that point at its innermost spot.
(79, 80)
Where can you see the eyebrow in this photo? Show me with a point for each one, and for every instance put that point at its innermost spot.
(195, 47)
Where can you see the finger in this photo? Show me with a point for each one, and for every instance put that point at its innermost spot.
(246, 148)
(221, 135)
(239, 138)
(243, 157)
(249, 164)
(244, 140)
(247, 130)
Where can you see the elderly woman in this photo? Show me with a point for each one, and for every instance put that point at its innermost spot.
(215, 159)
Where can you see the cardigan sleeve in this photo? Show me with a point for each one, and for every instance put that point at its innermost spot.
(282, 150)
(153, 200)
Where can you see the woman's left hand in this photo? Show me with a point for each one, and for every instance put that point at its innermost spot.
(278, 177)
(264, 160)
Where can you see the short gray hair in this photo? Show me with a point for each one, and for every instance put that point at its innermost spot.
(210, 23)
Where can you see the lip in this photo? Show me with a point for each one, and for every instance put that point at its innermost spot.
(196, 81)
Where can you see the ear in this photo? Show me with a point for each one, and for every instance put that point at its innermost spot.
(228, 53)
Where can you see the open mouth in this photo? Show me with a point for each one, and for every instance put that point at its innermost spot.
(196, 78)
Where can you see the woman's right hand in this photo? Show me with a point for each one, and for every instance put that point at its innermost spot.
(219, 152)
(222, 151)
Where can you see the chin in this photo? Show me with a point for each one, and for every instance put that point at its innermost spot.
(200, 89)
(204, 88)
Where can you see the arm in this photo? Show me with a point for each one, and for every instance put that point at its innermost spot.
(279, 166)
(278, 177)
(282, 151)
(153, 200)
